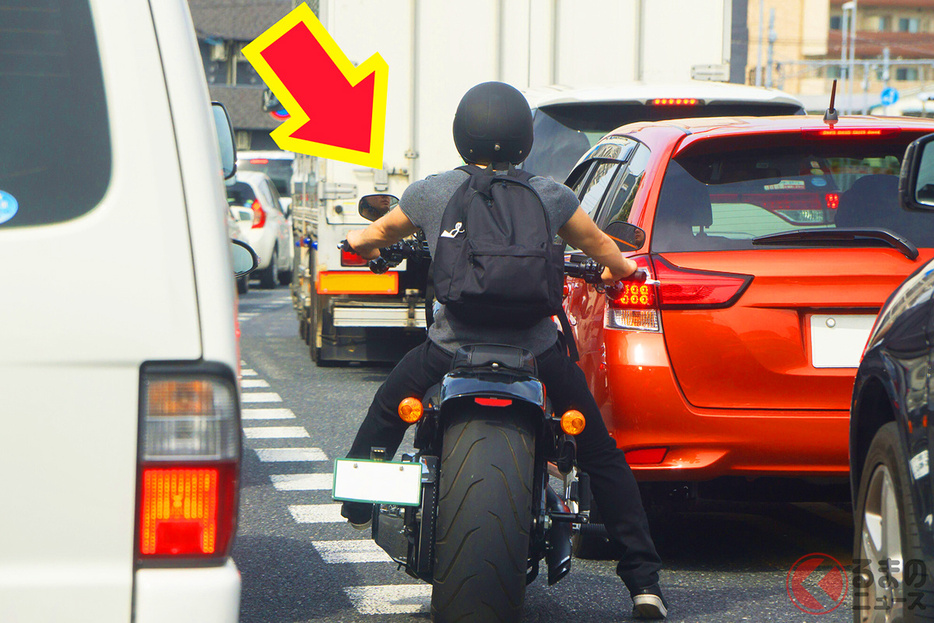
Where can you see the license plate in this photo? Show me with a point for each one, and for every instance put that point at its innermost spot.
(837, 340)
(380, 482)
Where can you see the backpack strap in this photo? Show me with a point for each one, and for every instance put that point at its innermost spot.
(567, 336)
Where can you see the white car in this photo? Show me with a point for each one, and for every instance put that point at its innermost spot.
(277, 164)
(254, 202)
(119, 396)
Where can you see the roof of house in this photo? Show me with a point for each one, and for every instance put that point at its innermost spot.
(244, 105)
(239, 20)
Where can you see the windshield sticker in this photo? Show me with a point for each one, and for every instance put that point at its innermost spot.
(8, 206)
(818, 182)
(786, 185)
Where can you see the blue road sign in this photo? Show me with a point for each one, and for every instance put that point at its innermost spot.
(889, 96)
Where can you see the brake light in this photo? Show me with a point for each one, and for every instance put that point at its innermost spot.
(259, 214)
(632, 305)
(833, 200)
(681, 288)
(493, 402)
(675, 101)
(850, 132)
(646, 456)
(189, 463)
(259, 161)
(349, 258)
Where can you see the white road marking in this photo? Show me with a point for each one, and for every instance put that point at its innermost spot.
(267, 414)
(350, 551)
(316, 513)
(275, 432)
(253, 383)
(247, 372)
(261, 397)
(393, 599)
(303, 482)
(244, 316)
(284, 455)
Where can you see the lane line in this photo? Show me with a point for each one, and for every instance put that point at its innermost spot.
(261, 397)
(350, 551)
(253, 383)
(247, 372)
(285, 455)
(303, 482)
(267, 414)
(390, 599)
(316, 513)
(275, 432)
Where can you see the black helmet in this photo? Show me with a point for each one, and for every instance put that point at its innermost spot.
(493, 123)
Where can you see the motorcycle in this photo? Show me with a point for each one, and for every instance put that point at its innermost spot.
(472, 511)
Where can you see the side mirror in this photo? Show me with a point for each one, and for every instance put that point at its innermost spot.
(244, 258)
(627, 236)
(916, 181)
(371, 207)
(225, 140)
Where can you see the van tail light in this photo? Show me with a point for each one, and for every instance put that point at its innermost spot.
(635, 306)
(259, 214)
(189, 463)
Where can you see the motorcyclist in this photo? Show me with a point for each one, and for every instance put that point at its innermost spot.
(493, 122)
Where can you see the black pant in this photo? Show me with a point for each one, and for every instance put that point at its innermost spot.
(612, 482)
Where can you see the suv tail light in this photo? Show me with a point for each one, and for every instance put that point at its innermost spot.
(635, 306)
(259, 214)
(189, 462)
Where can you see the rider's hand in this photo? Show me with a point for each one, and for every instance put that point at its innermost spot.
(609, 278)
(354, 239)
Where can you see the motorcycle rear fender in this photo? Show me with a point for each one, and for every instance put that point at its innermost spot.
(484, 384)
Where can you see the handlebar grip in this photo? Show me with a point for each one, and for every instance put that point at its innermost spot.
(640, 276)
(378, 265)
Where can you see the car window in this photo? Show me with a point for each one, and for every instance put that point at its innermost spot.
(55, 152)
(279, 171)
(557, 147)
(596, 186)
(271, 189)
(620, 198)
(240, 194)
(724, 200)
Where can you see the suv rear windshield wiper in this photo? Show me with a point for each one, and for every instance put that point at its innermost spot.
(860, 236)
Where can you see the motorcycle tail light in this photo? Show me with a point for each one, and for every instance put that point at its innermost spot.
(573, 422)
(411, 410)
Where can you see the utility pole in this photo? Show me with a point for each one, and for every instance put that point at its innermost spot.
(772, 37)
(761, 42)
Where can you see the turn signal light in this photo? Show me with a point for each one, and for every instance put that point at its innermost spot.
(411, 410)
(573, 422)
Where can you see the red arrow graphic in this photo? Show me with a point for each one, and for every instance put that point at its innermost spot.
(339, 113)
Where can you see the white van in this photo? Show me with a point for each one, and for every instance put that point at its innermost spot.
(119, 400)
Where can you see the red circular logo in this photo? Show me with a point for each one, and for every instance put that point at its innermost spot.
(817, 583)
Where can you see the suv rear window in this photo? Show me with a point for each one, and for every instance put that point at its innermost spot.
(279, 171)
(55, 154)
(726, 199)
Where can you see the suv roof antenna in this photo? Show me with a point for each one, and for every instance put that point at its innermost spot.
(830, 117)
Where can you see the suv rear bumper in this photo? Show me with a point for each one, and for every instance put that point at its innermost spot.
(190, 595)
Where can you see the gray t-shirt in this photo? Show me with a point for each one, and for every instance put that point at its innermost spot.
(423, 202)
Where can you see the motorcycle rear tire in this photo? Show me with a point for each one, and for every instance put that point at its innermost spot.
(484, 516)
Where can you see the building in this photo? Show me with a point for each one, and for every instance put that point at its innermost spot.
(223, 28)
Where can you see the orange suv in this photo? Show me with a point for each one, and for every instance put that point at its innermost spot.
(772, 243)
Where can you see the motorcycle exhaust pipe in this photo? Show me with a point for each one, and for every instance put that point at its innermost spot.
(557, 539)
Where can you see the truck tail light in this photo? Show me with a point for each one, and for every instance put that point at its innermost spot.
(259, 214)
(189, 462)
(349, 258)
(633, 305)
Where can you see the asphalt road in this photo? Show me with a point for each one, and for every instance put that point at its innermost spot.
(299, 562)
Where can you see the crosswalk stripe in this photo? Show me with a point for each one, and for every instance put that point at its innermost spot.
(267, 414)
(283, 455)
(316, 513)
(262, 397)
(274, 432)
(253, 383)
(350, 551)
(247, 372)
(302, 482)
(390, 599)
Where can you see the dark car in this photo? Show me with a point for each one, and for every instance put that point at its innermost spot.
(890, 437)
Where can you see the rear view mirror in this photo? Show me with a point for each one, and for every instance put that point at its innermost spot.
(371, 207)
(244, 258)
(916, 181)
(627, 236)
(225, 140)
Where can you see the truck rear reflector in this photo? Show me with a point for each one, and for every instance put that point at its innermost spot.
(357, 282)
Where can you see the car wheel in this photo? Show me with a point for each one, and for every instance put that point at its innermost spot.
(887, 540)
(243, 284)
(269, 277)
(285, 277)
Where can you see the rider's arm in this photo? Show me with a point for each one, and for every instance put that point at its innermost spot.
(386, 230)
(581, 232)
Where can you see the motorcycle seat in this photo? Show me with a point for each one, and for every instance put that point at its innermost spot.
(486, 355)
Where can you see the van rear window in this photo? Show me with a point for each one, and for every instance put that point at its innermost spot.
(55, 154)
(724, 200)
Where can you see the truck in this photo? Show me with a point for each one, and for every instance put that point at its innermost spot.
(346, 313)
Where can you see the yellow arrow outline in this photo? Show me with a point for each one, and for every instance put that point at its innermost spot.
(297, 117)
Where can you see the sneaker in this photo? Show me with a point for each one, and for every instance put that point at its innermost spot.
(649, 604)
(358, 515)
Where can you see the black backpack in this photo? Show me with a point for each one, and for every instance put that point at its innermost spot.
(496, 263)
